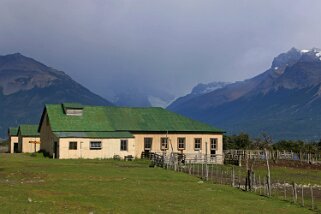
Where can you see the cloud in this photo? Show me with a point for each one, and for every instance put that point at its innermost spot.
(168, 45)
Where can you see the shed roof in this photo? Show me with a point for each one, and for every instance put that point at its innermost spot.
(13, 131)
(29, 130)
(110, 119)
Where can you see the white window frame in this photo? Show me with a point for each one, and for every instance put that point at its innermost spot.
(151, 143)
(70, 142)
(200, 144)
(179, 143)
(164, 145)
(91, 147)
(121, 144)
(215, 143)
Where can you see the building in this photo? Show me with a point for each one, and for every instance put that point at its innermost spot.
(13, 140)
(71, 130)
(28, 138)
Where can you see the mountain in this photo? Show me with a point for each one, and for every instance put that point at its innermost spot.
(284, 101)
(202, 88)
(151, 97)
(198, 90)
(26, 85)
(135, 97)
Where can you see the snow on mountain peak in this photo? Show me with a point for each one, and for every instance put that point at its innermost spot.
(314, 51)
(304, 51)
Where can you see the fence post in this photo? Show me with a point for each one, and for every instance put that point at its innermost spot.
(302, 195)
(206, 172)
(193, 168)
(253, 181)
(284, 190)
(296, 192)
(295, 196)
(260, 185)
(206, 166)
(212, 174)
(198, 170)
(202, 169)
(239, 178)
(312, 199)
(233, 177)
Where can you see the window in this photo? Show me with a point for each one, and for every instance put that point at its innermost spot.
(123, 145)
(213, 143)
(148, 143)
(164, 143)
(73, 145)
(181, 143)
(95, 145)
(197, 143)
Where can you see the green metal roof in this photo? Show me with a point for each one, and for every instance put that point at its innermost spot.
(13, 131)
(94, 134)
(29, 130)
(110, 118)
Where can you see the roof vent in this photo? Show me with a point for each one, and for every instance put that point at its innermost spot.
(73, 109)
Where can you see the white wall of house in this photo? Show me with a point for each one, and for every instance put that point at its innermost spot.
(109, 148)
(12, 141)
(173, 143)
(25, 146)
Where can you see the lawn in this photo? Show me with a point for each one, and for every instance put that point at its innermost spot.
(41, 185)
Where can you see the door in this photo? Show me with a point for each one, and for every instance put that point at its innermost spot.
(15, 147)
(147, 146)
(55, 150)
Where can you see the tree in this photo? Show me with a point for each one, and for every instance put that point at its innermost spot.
(241, 141)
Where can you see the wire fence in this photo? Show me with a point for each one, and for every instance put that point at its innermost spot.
(273, 155)
(308, 196)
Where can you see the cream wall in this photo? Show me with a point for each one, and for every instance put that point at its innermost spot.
(173, 139)
(26, 147)
(12, 140)
(110, 147)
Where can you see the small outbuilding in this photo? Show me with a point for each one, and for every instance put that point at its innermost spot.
(13, 140)
(28, 138)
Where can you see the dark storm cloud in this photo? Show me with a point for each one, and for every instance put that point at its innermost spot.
(169, 45)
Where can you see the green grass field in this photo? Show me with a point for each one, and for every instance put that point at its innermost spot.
(41, 185)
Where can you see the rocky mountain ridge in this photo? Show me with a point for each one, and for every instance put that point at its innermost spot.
(27, 85)
(284, 100)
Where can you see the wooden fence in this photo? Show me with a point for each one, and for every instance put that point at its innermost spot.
(306, 195)
(236, 156)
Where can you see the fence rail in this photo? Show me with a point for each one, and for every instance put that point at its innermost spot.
(238, 155)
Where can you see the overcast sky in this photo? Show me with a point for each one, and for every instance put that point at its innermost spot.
(170, 45)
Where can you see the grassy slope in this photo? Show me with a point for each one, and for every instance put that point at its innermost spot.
(102, 186)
